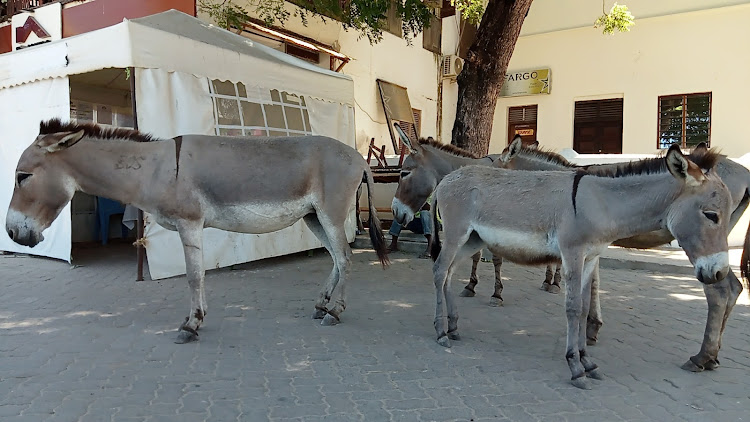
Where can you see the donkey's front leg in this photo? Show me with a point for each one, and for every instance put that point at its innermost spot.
(469, 290)
(191, 235)
(721, 298)
(594, 320)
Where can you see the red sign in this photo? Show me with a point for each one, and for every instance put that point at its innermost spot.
(31, 25)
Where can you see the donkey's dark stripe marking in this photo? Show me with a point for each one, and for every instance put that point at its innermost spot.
(177, 148)
(576, 182)
(94, 131)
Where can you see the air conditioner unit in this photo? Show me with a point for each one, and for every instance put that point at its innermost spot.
(452, 66)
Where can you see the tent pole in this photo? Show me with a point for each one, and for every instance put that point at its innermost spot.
(139, 223)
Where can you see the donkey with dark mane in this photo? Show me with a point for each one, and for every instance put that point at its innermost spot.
(721, 296)
(425, 166)
(580, 214)
(196, 181)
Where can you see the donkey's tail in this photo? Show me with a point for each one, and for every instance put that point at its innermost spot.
(745, 260)
(376, 233)
(435, 246)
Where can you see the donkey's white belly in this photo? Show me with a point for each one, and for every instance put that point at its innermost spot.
(520, 246)
(257, 218)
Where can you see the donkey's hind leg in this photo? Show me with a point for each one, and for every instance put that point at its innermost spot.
(469, 290)
(551, 281)
(191, 235)
(321, 305)
(497, 263)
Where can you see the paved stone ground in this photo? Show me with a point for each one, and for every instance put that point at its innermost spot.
(87, 343)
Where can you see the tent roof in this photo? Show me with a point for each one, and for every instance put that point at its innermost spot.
(175, 41)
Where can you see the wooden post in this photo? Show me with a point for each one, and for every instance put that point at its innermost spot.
(139, 224)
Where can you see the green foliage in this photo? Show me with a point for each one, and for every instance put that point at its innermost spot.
(618, 18)
(471, 10)
(369, 17)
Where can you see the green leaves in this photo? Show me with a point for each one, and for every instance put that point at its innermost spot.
(618, 18)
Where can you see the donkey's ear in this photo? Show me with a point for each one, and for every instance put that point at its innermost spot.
(533, 145)
(515, 146)
(682, 168)
(415, 147)
(59, 141)
(702, 147)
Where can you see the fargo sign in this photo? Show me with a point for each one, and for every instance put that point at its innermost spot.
(526, 82)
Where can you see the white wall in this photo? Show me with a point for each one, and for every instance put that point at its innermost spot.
(675, 54)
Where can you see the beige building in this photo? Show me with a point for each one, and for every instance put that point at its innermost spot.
(677, 76)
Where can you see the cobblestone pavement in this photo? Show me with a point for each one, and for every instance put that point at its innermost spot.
(87, 343)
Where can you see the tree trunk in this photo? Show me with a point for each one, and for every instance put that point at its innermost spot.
(483, 74)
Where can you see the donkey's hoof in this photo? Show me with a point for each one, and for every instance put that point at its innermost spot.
(319, 313)
(454, 336)
(554, 289)
(712, 364)
(444, 341)
(496, 301)
(185, 337)
(545, 286)
(329, 320)
(591, 341)
(467, 293)
(581, 382)
(595, 374)
(691, 366)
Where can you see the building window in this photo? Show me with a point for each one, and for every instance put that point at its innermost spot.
(522, 121)
(393, 21)
(597, 126)
(684, 119)
(242, 111)
(431, 36)
(412, 130)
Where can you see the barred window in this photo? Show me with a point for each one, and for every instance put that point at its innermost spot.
(239, 111)
(684, 119)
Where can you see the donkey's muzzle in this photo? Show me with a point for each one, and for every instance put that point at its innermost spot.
(401, 213)
(709, 278)
(25, 238)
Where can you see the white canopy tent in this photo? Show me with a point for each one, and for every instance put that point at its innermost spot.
(181, 67)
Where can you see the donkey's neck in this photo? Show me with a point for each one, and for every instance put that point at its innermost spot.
(534, 161)
(118, 169)
(444, 162)
(635, 204)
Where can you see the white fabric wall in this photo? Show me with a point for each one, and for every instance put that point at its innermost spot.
(21, 109)
(183, 106)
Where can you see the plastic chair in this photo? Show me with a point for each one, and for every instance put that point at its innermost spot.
(104, 209)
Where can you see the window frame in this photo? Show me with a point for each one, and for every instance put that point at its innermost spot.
(264, 100)
(683, 98)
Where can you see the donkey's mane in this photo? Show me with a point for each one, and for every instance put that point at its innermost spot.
(452, 149)
(547, 156)
(705, 159)
(91, 130)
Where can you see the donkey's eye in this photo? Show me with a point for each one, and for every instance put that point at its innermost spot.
(711, 216)
(405, 173)
(20, 177)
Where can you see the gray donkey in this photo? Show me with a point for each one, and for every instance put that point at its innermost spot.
(580, 214)
(246, 185)
(425, 166)
(721, 296)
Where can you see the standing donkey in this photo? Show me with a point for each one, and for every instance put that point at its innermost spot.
(425, 166)
(721, 296)
(580, 214)
(246, 185)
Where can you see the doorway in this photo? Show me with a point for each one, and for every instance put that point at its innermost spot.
(597, 127)
(522, 121)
